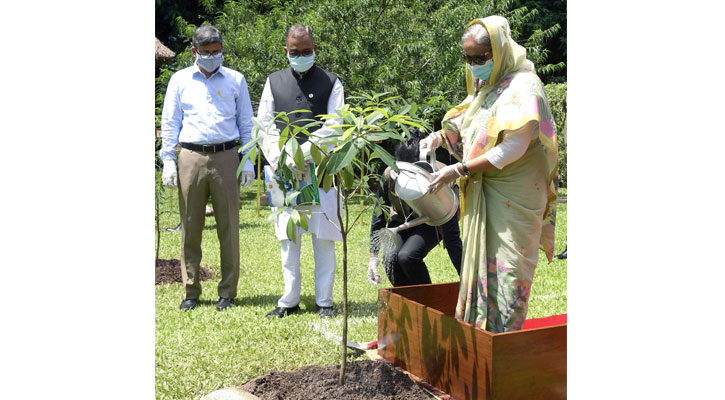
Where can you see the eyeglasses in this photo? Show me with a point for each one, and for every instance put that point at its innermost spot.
(305, 53)
(206, 53)
(477, 59)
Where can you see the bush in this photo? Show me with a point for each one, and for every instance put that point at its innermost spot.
(408, 48)
(556, 93)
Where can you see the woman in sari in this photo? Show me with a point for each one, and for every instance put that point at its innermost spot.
(503, 134)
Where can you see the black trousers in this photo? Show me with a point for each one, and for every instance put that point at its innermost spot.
(408, 267)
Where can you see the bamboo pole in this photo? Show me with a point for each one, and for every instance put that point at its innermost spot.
(259, 187)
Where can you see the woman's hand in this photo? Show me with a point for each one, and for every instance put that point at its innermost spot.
(444, 176)
(429, 143)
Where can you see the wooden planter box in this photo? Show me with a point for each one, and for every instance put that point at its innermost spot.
(417, 332)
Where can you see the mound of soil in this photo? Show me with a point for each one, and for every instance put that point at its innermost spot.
(169, 271)
(364, 380)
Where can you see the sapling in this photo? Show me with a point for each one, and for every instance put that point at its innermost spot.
(336, 157)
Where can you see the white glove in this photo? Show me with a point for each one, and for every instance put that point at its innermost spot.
(444, 176)
(429, 143)
(169, 176)
(373, 276)
(246, 178)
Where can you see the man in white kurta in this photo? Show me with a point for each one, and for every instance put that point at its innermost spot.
(303, 86)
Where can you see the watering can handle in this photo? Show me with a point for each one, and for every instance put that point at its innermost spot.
(425, 157)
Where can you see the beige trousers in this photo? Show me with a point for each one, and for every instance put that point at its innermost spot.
(202, 175)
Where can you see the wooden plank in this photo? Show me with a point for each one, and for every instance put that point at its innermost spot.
(442, 296)
(450, 355)
(463, 361)
(530, 364)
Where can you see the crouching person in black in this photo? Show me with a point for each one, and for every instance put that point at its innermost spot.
(407, 266)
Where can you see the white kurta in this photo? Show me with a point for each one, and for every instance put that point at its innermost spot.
(318, 223)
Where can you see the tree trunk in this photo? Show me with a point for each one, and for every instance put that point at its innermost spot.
(158, 224)
(343, 229)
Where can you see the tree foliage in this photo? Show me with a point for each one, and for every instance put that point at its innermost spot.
(556, 94)
(407, 47)
(355, 140)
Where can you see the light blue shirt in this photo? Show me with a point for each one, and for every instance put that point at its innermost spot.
(205, 111)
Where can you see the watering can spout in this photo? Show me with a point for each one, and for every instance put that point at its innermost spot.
(410, 224)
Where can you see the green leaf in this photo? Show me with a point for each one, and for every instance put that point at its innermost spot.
(385, 156)
(283, 136)
(291, 147)
(350, 119)
(258, 123)
(310, 125)
(252, 154)
(300, 159)
(327, 182)
(348, 178)
(291, 230)
(322, 166)
(383, 136)
(389, 98)
(315, 153)
(348, 133)
(374, 118)
(291, 196)
(406, 130)
(341, 158)
(328, 116)
(249, 144)
(303, 221)
(405, 109)
(274, 214)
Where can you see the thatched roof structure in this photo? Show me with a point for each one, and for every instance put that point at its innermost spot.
(163, 53)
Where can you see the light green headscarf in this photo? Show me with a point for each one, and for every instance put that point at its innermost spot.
(508, 57)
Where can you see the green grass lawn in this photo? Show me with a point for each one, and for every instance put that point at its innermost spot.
(203, 350)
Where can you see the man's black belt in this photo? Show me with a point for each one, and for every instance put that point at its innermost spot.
(210, 148)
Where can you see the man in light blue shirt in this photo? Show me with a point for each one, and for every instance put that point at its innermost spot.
(208, 111)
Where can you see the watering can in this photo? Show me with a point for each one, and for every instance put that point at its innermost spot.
(411, 186)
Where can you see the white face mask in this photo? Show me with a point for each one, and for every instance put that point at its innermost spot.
(300, 63)
(482, 72)
(209, 63)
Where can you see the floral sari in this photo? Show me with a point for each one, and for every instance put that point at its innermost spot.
(507, 213)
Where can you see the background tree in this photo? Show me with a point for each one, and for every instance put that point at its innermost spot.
(407, 47)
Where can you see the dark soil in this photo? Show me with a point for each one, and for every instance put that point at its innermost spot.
(169, 271)
(364, 380)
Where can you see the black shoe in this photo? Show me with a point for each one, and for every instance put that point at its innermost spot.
(562, 256)
(223, 303)
(281, 312)
(187, 304)
(174, 229)
(325, 312)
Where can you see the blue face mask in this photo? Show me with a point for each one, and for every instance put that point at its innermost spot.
(300, 63)
(482, 72)
(209, 63)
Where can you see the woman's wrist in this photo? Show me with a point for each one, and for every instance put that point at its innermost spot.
(465, 169)
(459, 169)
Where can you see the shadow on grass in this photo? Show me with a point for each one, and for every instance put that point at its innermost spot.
(308, 305)
(243, 223)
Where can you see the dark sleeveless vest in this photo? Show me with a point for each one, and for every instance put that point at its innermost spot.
(292, 91)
